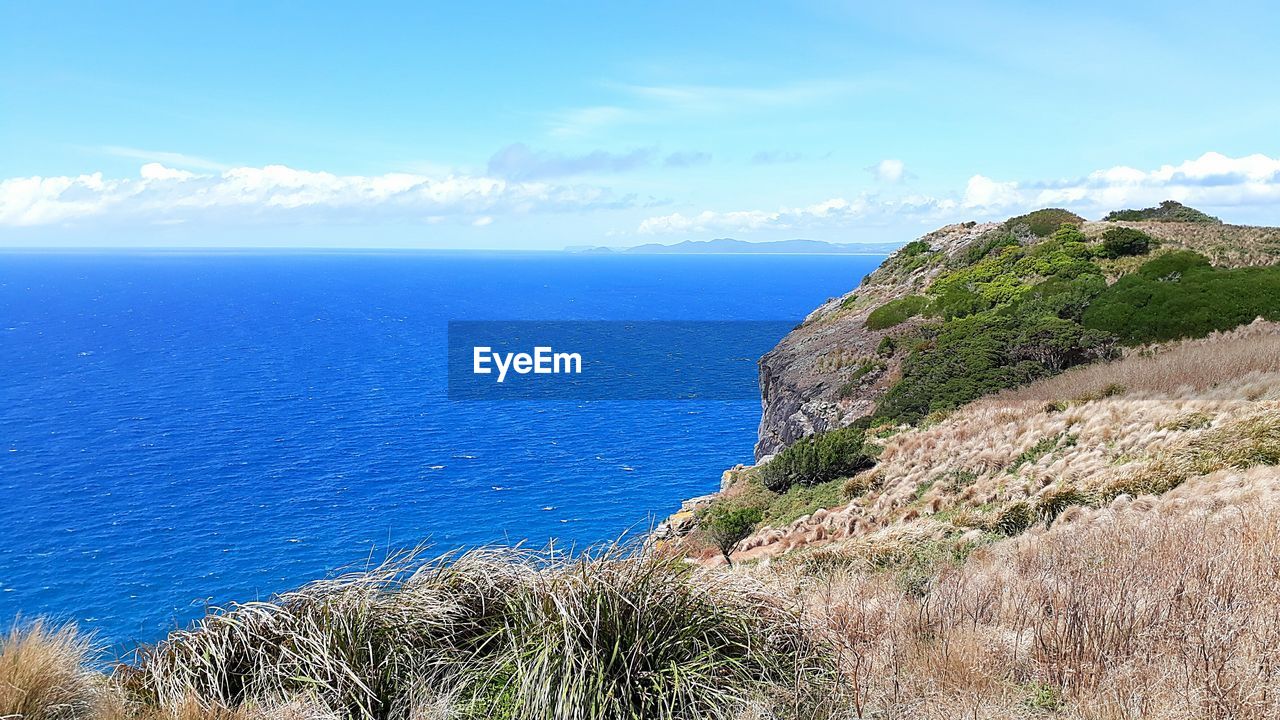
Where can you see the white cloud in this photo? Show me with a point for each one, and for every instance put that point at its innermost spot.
(156, 171)
(1211, 181)
(889, 171)
(161, 194)
(983, 192)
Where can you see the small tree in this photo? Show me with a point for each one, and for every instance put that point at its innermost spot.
(726, 526)
(1122, 241)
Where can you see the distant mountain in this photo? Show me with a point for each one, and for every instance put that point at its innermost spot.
(723, 246)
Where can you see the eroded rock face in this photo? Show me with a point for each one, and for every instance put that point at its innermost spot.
(832, 369)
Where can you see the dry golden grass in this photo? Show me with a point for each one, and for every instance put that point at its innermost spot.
(1142, 424)
(44, 675)
(1164, 608)
(1224, 245)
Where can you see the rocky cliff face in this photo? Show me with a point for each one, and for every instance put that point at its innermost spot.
(832, 369)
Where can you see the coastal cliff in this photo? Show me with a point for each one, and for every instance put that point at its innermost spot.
(836, 366)
(832, 369)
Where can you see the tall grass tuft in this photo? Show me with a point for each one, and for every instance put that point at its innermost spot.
(44, 675)
(497, 634)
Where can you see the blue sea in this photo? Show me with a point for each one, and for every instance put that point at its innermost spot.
(183, 429)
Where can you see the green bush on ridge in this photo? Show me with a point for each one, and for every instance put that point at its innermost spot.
(1044, 222)
(1009, 318)
(1180, 295)
(1167, 211)
(1123, 241)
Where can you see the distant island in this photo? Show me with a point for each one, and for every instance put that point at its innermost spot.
(730, 246)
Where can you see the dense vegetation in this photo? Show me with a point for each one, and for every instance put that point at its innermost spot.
(1181, 295)
(725, 525)
(1122, 242)
(1009, 315)
(818, 459)
(1167, 211)
(1011, 309)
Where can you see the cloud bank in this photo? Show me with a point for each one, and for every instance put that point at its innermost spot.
(162, 194)
(523, 182)
(1210, 181)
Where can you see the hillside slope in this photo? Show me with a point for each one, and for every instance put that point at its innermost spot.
(837, 366)
(1091, 437)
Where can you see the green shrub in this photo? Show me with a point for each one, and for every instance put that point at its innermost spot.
(1167, 211)
(1124, 242)
(817, 459)
(914, 248)
(1180, 295)
(983, 246)
(726, 525)
(1062, 297)
(1044, 222)
(981, 354)
(887, 346)
(1013, 518)
(955, 302)
(1069, 232)
(896, 311)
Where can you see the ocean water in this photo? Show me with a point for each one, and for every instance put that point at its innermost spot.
(180, 430)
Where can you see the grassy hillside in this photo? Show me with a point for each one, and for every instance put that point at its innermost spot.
(1099, 544)
(1139, 425)
(1013, 309)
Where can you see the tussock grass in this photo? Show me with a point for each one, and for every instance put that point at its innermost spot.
(1240, 443)
(43, 674)
(497, 634)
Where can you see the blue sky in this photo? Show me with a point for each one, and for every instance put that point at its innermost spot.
(523, 126)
